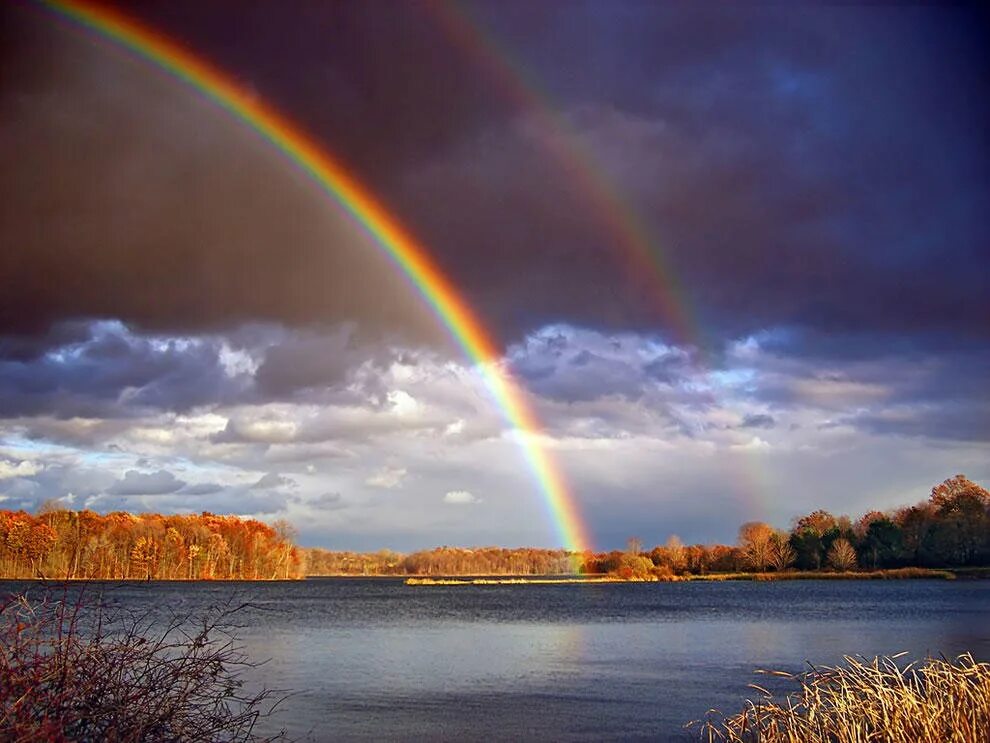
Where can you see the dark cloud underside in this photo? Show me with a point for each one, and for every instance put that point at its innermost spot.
(129, 195)
(815, 167)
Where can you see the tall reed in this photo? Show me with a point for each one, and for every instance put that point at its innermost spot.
(867, 701)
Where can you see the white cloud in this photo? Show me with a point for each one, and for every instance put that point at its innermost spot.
(461, 498)
(387, 477)
(23, 468)
(754, 444)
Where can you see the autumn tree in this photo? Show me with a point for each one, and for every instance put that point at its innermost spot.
(782, 554)
(812, 537)
(676, 557)
(841, 555)
(948, 492)
(817, 522)
(756, 542)
(962, 529)
(62, 544)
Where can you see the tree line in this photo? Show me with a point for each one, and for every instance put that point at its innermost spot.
(58, 544)
(950, 529)
(441, 561)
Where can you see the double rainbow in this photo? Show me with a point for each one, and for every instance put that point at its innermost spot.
(407, 254)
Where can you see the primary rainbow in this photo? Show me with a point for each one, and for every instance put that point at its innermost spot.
(435, 288)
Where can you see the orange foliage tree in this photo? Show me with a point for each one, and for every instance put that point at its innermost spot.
(61, 544)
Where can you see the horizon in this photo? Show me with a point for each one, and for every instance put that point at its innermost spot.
(733, 266)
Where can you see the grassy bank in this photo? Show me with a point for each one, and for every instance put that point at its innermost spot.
(897, 574)
(867, 700)
(518, 581)
(894, 574)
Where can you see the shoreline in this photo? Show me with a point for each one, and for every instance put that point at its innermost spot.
(964, 574)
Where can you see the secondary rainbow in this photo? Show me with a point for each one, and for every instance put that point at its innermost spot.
(406, 253)
(645, 257)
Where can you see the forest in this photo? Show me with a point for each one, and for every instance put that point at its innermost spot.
(950, 529)
(58, 544)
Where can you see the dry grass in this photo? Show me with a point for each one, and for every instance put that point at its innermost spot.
(893, 574)
(867, 700)
(521, 581)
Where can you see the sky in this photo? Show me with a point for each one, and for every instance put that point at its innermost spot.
(735, 257)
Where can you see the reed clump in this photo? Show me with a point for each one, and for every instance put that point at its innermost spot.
(866, 701)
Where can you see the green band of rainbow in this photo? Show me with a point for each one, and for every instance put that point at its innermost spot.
(346, 191)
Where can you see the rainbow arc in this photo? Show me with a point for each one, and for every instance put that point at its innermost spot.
(348, 193)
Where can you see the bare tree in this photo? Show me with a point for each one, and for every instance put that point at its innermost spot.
(782, 555)
(842, 556)
(756, 541)
(676, 553)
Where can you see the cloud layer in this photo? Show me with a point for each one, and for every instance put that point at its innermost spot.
(651, 440)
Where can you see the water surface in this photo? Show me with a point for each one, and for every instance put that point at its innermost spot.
(379, 660)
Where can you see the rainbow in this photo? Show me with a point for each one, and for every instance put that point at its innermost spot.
(403, 250)
(646, 260)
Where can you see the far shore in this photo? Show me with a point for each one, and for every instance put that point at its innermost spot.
(481, 579)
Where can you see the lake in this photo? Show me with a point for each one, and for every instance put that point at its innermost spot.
(379, 660)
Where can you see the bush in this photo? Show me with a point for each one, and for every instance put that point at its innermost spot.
(80, 672)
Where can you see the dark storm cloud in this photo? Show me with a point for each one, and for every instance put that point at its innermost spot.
(806, 166)
(566, 363)
(953, 422)
(133, 482)
(817, 166)
(27, 348)
(103, 370)
(273, 480)
(298, 361)
(324, 502)
(758, 420)
(938, 396)
(128, 195)
(106, 370)
(203, 488)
